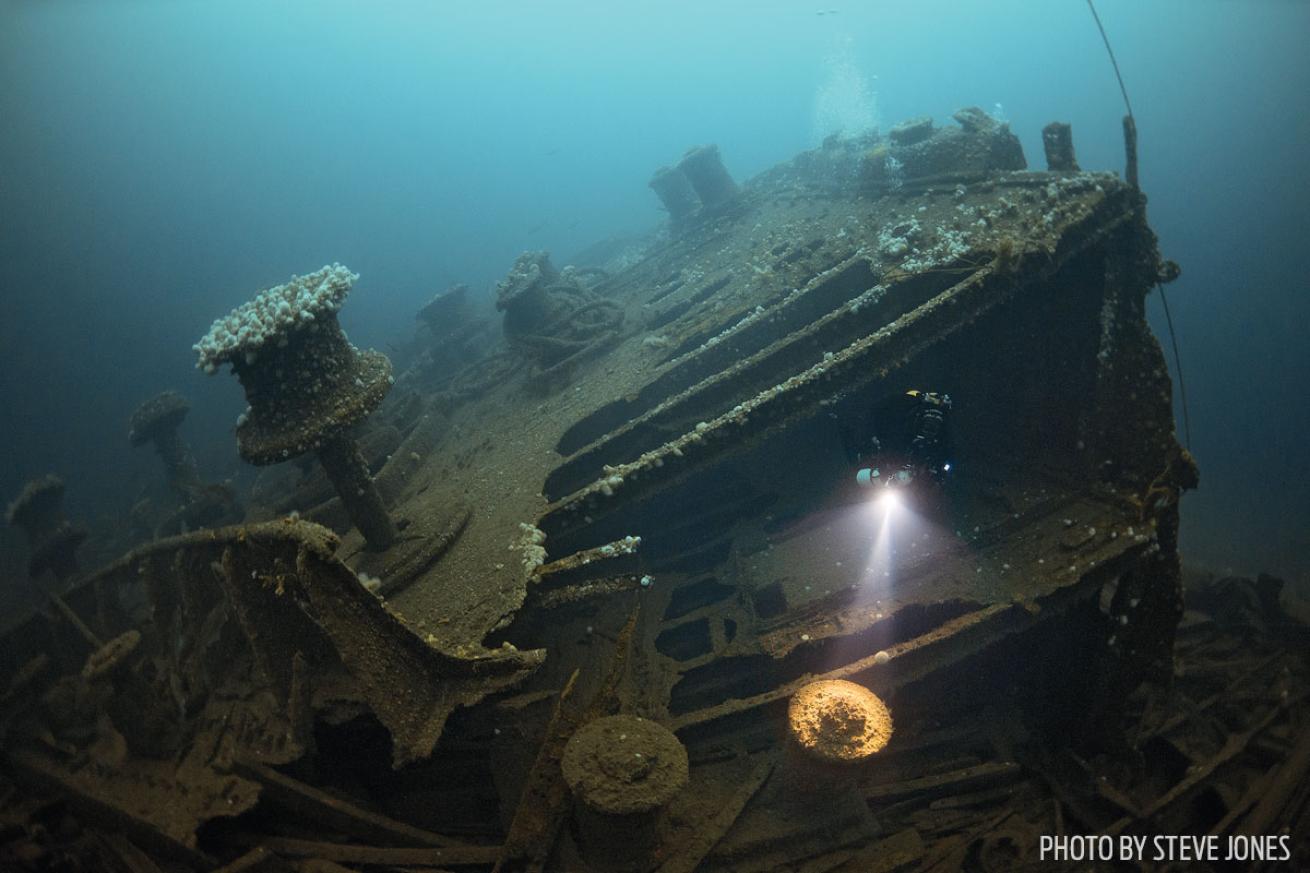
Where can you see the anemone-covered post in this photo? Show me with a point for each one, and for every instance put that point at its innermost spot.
(156, 421)
(307, 386)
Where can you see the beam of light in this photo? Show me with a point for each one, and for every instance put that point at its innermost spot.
(886, 515)
(895, 534)
(885, 542)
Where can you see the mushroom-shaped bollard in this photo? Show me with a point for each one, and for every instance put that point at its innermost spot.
(524, 295)
(623, 771)
(39, 510)
(833, 728)
(675, 192)
(704, 169)
(307, 386)
(156, 421)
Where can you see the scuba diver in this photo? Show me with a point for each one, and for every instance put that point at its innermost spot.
(905, 445)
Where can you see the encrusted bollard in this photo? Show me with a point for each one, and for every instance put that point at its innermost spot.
(911, 131)
(1057, 139)
(705, 171)
(834, 727)
(307, 386)
(446, 311)
(39, 510)
(675, 192)
(524, 295)
(156, 421)
(623, 771)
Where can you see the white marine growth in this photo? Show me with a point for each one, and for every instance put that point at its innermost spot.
(272, 314)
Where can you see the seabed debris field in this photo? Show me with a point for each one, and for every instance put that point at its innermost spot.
(830, 528)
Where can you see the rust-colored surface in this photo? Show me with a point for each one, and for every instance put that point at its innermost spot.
(838, 722)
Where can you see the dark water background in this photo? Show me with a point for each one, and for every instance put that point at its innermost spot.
(161, 161)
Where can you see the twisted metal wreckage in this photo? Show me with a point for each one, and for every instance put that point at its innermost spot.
(632, 508)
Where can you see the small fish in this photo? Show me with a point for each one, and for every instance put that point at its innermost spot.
(539, 227)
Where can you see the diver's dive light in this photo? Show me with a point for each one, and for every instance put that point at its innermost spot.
(871, 477)
(886, 489)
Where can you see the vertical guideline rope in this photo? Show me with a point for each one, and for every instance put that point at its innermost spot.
(1178, 365)
(1113, 62)
(1130, 143)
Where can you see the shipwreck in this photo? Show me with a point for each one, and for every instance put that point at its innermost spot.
(618, 602)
